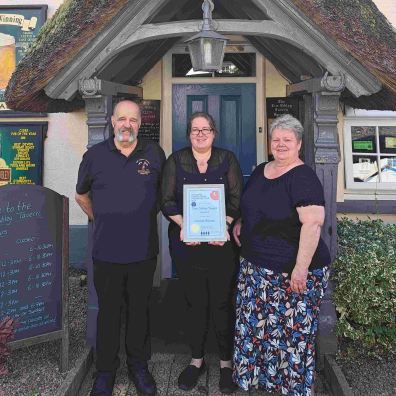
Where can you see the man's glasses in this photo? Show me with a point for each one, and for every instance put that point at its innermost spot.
(204, 131)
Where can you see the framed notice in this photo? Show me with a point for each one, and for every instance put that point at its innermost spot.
(21, 152)
(19, 26)
(204, 216)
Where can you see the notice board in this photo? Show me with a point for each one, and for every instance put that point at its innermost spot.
(34, 264)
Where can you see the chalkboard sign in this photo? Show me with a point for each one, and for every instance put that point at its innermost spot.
(33, 264)
(150, 127)
(279, 106)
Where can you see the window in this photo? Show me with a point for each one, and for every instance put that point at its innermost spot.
(234, 65)
(370, 154)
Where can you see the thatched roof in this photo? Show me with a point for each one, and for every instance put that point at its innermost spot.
(73, 26)
(363, 31)
(357, 26)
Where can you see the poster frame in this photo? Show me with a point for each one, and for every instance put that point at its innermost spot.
(44, 129)
(43, 9)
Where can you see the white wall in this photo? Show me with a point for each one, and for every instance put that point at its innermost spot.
(66, 142)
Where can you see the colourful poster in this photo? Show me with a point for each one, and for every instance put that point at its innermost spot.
(363, 145)
(21, 153)
(390, 142)
(19, 26)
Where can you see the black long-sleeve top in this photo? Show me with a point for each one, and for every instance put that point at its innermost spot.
(181, 168)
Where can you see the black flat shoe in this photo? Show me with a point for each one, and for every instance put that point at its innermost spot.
(226, 384)
(188, 378)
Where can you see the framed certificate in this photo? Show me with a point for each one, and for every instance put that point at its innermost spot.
(204, 217)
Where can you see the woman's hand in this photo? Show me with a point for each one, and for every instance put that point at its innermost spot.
(298, 280)
(219, 243)
(187, 243)
(237, 231)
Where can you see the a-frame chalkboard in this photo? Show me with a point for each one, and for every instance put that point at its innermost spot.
(34, 223)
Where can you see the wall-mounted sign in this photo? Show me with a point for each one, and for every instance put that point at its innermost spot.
(19, 26)
(279, 106)
(150, 128)
(21, 152)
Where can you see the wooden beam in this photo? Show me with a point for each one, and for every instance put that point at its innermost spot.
(95, 86)
(311, 85)
(65, 85)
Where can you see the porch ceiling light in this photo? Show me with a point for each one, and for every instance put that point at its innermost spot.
(207, 47)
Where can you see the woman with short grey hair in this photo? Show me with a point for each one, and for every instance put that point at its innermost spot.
(287, 122)
(284, 269)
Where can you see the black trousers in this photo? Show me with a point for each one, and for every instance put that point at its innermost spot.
(207, 274)
(115, 283)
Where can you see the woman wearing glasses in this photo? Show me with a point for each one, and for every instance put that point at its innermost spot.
(206, 270)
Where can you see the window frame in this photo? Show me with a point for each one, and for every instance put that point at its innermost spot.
(364, 187)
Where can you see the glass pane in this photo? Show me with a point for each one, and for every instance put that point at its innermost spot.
(388, 169)
(364, 168)
(387, 138)
(363, 139)
(234, 65)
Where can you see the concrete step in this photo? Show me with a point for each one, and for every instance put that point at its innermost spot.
(166, 368)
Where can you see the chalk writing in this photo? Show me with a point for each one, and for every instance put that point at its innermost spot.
(30, 260)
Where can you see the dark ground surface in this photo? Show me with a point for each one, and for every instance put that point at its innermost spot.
(368, 375)
(34, 371)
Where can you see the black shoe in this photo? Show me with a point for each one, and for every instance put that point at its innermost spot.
(226, 384)
(104, 383)
(188, 378)
(142, 378)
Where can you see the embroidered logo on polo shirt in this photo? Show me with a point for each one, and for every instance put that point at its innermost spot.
(143, 166)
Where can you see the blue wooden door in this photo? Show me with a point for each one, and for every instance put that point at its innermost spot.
(233, 107)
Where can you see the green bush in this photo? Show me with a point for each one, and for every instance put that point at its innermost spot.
(365, 283)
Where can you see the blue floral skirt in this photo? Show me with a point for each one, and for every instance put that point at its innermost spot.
(275, 332)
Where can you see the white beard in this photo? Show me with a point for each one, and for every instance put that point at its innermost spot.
(120, 136)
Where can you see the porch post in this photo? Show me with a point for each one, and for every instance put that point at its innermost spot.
(327, 157)
(325, 106)
(98, 109)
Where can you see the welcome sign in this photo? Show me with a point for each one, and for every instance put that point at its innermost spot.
(19, 26)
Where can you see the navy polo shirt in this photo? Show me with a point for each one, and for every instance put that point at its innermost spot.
(124, 194)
